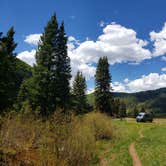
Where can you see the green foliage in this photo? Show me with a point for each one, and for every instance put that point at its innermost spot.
(7, 69)
(48, 89)
(12, 70)
(118, 108)
(122, 110)
(79, 93)
(102, 86)
(135, 111)
(115, 106)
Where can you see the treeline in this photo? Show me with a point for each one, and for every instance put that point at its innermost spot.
(45, 87)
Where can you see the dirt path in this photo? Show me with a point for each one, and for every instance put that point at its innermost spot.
(134, 156)
(133, 153)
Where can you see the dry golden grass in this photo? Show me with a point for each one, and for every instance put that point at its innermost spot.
(60, 140)
(101, 125)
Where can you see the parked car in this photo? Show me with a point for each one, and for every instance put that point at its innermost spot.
(144, 117)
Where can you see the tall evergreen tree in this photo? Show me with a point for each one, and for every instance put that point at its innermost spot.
(43, 84)
(102, 86)
(7, 69)
(79, 92)
(63, 71)
(49, 87)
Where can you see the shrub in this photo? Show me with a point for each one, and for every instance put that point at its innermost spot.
(100, 124)
(60, 140)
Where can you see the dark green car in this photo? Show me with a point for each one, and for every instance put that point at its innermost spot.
(144, 117)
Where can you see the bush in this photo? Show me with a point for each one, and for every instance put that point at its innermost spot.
(60, 140)
(100, 124)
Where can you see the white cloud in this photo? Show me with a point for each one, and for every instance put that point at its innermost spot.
(118, 43)
(163, 69)
(118, 87)
(159, 39)
(27, 56)
(149, 82)
(33, 39)
(163, 58)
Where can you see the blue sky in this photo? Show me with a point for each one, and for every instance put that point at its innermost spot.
(131, 33)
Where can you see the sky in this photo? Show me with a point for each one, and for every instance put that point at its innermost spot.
(131, 33)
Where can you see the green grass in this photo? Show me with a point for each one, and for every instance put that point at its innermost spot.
(151, 148)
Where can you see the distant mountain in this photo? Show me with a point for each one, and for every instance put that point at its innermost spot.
(152, 100)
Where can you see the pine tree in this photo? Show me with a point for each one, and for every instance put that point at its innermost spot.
(7, 69)
(122, 110)
(63, 71)
(49, 87)
(44, 84)
(102, 86)
(79, 92)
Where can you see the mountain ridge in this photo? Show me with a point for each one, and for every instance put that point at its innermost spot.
(151, 100)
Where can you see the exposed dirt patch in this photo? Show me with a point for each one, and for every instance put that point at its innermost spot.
(104, 162)
(133, 152)
(134, 156)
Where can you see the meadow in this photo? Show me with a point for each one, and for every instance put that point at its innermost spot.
(149, 139)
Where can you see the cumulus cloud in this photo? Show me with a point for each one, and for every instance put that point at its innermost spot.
(118, 43)
(118, 87)
(159, 39)
(32, 39)
(146, 82)
(27, 56)
(163, 69)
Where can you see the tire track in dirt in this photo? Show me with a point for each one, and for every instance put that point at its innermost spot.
(133, 152)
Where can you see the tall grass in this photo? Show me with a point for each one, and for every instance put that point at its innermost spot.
(61, 140)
